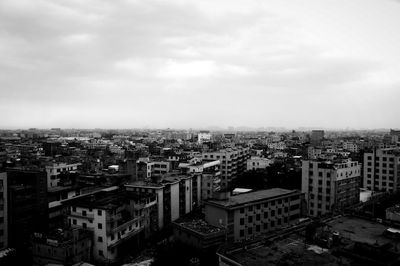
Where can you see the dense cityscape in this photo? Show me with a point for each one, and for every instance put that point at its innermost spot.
(199, 197)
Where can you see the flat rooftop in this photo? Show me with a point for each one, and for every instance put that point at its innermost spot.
(361, 230)
(244, 198)
(198, 225)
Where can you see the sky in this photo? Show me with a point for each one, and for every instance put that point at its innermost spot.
(195, 64)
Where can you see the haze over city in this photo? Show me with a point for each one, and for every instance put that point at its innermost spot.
(195, 64)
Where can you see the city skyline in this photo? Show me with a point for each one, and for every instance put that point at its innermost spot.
(191, 64)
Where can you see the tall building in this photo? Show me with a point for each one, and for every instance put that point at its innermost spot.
(316, 137)
(27, 205)
(117, 218)
(251, 214)
(3, 211)
(381, 170)
(330, 185)
(233, 162)
(176, 196)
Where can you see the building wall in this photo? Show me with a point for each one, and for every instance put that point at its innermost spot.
(381, 170)
(174, 201)
(3, 211)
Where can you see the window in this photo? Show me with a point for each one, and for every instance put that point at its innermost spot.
(99, 212)
(100, 239)
(250, 230)
(101, 253)
(250, 219)
(258, 216)
(100, 226)
(241, 221)
(74, 221)
(83, 213)
(241, 233)
(84, 225)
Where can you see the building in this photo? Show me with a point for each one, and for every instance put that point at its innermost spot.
(63, 247)
(209, 173)
(330, 185)
(197, 233)
(55, 169)
(27, 205)
(204, 136)
(350, 146)
(233, 162)
(316, 137)
(255, 163)
(381, 170)
(117, 218)
(393, 213)
(248, 215)
(176, 195)
(3, 211)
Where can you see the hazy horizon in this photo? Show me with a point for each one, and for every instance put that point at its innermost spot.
(193, 64)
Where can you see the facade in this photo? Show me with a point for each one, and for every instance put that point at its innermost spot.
(255, 163)
(63, 247)
(27, 205)
(3, 211)
(209, 174)
(382, 170)
(330, 185)
(117, 218)
(203, 136)
(316, 137)
(54, 170)
(248, 215)
(233, 162)
(350, 146)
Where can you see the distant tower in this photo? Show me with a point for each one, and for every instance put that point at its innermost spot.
(316, 137)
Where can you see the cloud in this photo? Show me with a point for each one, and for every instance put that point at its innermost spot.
(237, 61)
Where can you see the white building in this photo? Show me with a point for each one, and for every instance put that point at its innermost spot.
(256, 162)
(55, 169)
(381, 170)
(203, 136)
(330, 185)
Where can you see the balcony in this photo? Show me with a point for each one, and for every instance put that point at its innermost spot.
(126, 224)
(80, 215)
(126, 237)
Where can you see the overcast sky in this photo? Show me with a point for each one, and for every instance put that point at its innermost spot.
(183, 63)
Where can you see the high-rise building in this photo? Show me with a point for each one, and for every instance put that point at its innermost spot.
(251, 214)
(27, 205)
(233, 162)
(316, 137)
(330, 185)
(382, 170)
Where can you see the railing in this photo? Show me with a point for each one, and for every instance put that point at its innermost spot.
(126, 224)
(80, 215)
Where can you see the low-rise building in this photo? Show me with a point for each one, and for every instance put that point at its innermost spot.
(251, 214)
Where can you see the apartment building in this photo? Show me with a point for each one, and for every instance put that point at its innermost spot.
(251, 214)
(175, 195)
(316, 137)
(55, 169)
(148, 167)
(62, 247)
(117, 218)
(330, 185)
(382, 169)
(209, 173)
(233, 162)
(256, 162)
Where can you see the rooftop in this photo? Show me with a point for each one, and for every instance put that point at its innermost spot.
(199, 226)
(252, 196)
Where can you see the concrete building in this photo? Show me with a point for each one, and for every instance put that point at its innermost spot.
(27, 205)
(117, 218)
(233, 162)
(381, 170)
(203, 136)
(55, 169)
(350, 146)
(3, 211)
(316, 137)
(62, 247)
(255, 163)
(251, 214)
(208, 172)
(175, 194)
(330, 185)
